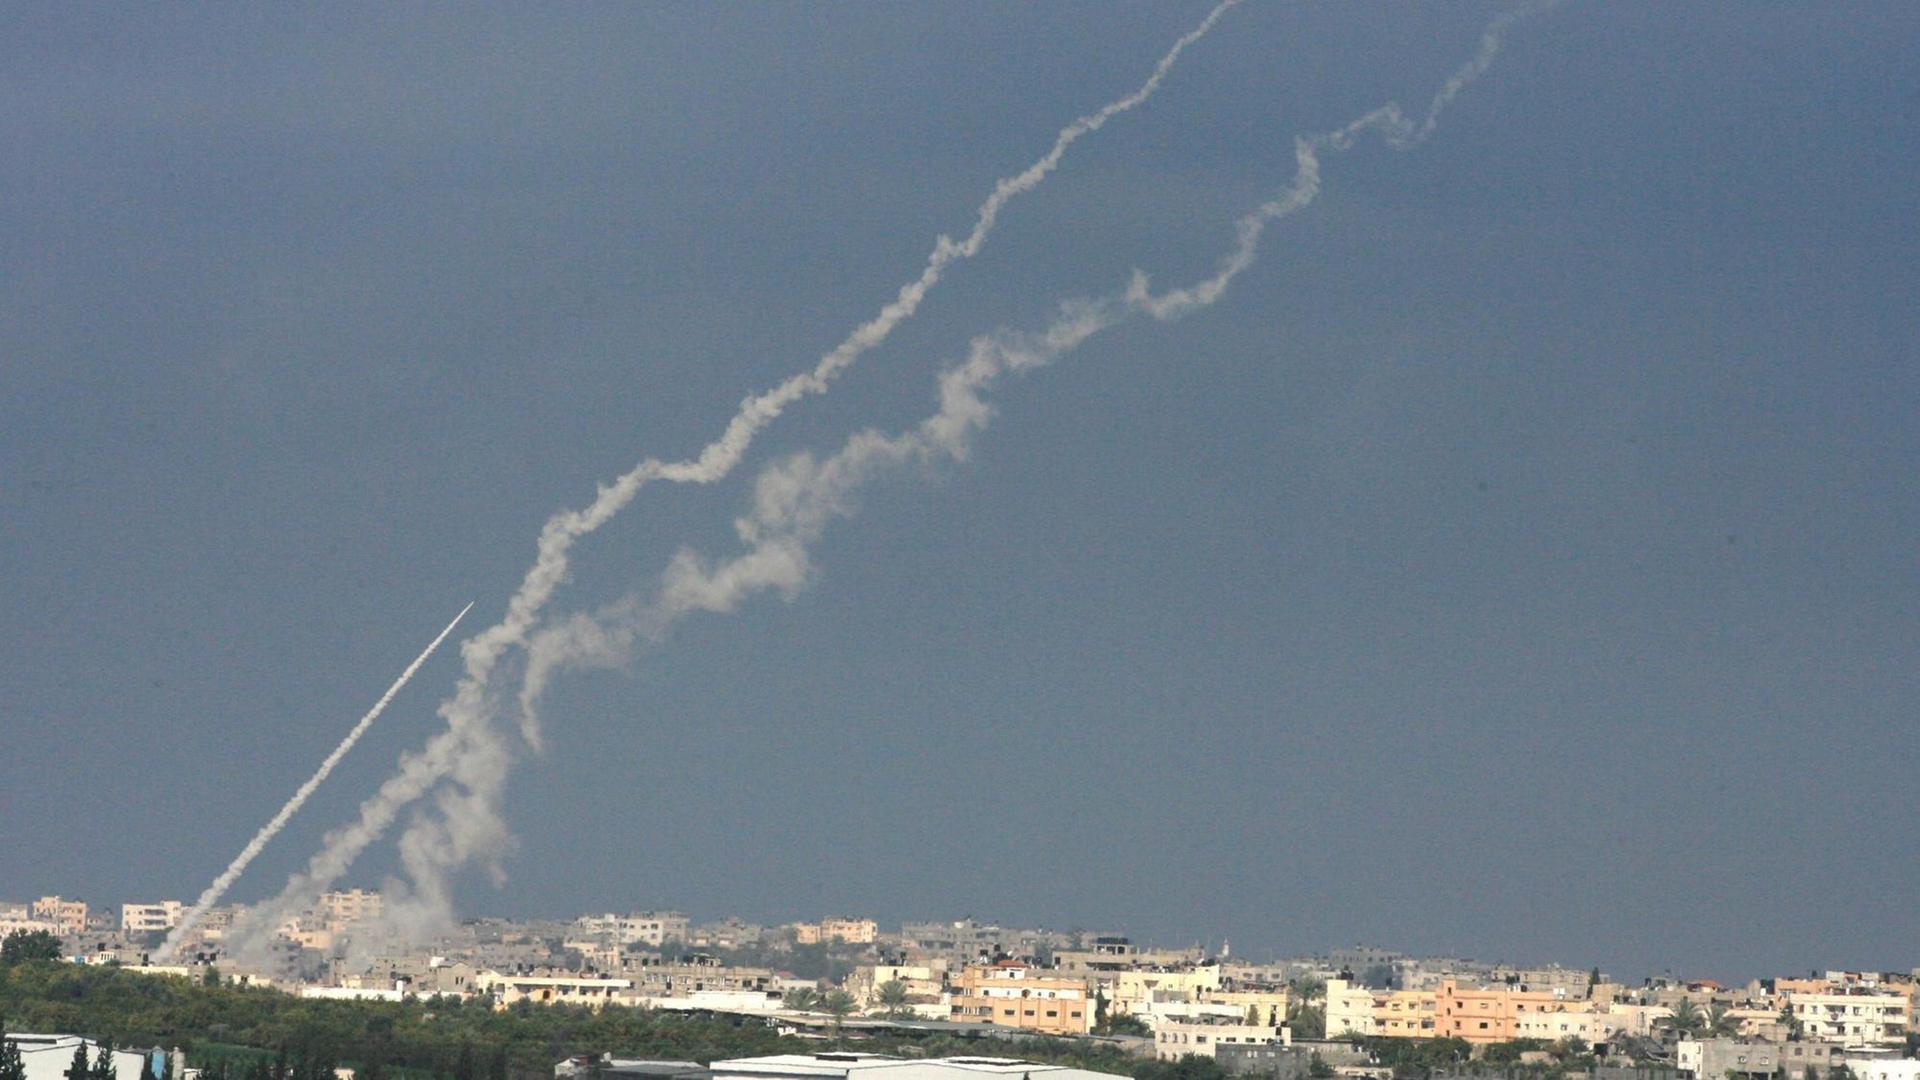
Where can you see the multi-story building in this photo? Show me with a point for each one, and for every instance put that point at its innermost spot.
(340, 910)
(1567, 1020)
(1399, 1014)
(1715, 1059)
(1175, 1037)
(1268, 1005)
(921, 982)
(1853, 1018)
(20, 919)
(1487, 1015)
(850, 930)
(653, 928)
(551, 989)
(1015, 995)
(69, 915)
(150, 918)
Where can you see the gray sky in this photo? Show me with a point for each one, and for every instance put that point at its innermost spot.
(1519, 561)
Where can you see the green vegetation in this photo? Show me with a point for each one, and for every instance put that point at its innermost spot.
(22, 946)
(245, 1033)
(1122, 1024)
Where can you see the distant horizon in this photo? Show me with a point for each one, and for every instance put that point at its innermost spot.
(1311, 473)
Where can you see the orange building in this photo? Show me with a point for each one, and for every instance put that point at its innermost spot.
(1489, 1015)
(1015, 995)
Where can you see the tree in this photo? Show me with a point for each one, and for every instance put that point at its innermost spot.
(79, 1069)
(103, 1062)
(1123, 1024)
(210, 976)
(1317, 1067)
(24, 945)
(11, 1067)
(1307, 1021)
(805, 999)
(838, 1004)
(1687, 1019)
(893, 997)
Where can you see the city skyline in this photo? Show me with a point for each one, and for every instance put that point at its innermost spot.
(1514, 561)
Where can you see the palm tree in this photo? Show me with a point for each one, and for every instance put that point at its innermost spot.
(893, 997)
(805, 999)
(838, 1004)
(1687, 1019)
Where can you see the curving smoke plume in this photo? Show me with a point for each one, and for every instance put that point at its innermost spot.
(227, 877)
(471, 752)
(796, 499)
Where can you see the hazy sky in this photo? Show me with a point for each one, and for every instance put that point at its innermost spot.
(1520, 561)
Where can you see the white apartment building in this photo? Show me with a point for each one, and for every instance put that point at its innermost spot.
(150, 918)
(644, 927)
(1858, 1019)
(1174, 1037)
(552, 990)
(1876, 1068)
(1578, 1020)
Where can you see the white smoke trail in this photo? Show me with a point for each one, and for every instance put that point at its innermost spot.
(227, 877)
(475, 757)
(796, 499)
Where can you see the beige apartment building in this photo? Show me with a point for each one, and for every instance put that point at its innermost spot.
(836, 928)
(922, 982)
(1015, 995)
(1268, 1006)
(150, 918)
(339, 910)
(1399, 1014)
(69, 915)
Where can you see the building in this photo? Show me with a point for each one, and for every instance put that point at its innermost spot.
(654, 928)
(1487, 1015)
(1013, 994)
(69, 915)
(20, 919)
(1878, 1068)
(1567, 1020)
(1713, 1059)
(47, 1056)
(854, 1066)
(1398, 1014)
(1175, 1037)
(922, 983)
(340, 910)
(508, 990)
(150, 918)
(1293, 1061)
(1855, 1018)
(851, 931)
